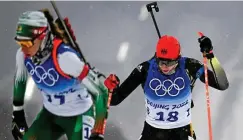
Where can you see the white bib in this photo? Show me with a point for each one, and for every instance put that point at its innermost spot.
(72, 102)
(168, 115)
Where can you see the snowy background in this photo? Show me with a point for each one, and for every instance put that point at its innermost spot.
(116, 36)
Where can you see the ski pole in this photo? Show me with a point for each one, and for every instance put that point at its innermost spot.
(73, 43)
(207, 92)
(101, 126)
(150, 7)
(108, 107)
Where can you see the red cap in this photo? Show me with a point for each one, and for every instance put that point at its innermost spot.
(168, 47)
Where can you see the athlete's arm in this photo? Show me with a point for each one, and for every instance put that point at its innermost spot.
(216, 77)
(20, 80)
(72, 65)
(137, 77)
(218, 73)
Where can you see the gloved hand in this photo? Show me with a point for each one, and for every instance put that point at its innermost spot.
(206, 46)
(19, 125)
(112, 82)
(95, 136)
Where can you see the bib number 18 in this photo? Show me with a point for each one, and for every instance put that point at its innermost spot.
(172, 116)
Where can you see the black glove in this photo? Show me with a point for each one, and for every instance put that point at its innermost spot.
(206, 47)
(19, 125)
(95, 136)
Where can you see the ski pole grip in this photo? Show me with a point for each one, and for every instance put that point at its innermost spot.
(152, 5)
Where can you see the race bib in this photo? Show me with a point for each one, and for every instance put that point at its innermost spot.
(168, 113)
(66, 96)
(88, 125)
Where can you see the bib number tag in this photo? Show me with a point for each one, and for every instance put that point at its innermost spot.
(171, 116)
(56, 99)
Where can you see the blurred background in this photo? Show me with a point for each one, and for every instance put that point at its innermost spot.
(117, 36)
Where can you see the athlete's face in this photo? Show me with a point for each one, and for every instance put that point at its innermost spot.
(31, 46)
(167, 69)
(167, 66)
(32, 49)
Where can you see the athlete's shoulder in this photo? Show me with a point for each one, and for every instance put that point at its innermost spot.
(66, 52)
(65, 48)
(59, 45)
(192, 61)
(69, 61)
(143, 67)
(193, 65)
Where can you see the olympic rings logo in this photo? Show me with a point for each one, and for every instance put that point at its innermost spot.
(167, 89)
(49, 77)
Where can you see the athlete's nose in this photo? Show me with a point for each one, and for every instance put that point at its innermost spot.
(163, 66)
